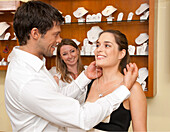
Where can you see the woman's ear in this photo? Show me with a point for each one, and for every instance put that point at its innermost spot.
(122, 54)
(35, 33)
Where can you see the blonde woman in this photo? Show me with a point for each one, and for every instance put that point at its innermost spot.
(68, 65)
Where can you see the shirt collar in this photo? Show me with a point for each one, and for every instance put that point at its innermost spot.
(26, 57)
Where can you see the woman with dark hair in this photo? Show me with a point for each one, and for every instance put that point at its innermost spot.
(112, 56)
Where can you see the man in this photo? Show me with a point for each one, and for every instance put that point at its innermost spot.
(33, 100)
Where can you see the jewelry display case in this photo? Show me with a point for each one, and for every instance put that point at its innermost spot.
(129, 16)
(132, 17)
(7, 36)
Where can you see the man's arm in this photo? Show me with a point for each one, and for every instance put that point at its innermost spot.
(64, 111)
(78, 86)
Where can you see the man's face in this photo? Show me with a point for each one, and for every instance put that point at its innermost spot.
(48, 42)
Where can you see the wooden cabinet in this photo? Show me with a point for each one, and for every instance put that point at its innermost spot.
(7, 9)
(131, 29)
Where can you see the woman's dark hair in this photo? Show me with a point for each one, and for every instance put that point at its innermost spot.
(122, 42)
(34, 14)
(61, 67)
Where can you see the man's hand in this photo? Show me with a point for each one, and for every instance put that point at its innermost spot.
(93, 71)
(131, 75)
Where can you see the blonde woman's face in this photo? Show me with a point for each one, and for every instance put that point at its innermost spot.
(69, 55)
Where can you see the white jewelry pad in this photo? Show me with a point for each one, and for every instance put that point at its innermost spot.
(143, 37)
(143, 7)
(81, 11)
(108, 10)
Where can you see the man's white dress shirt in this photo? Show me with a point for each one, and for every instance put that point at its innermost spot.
(35, 103)
(81, 96)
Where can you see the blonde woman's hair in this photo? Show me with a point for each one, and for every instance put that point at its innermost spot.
(61, 67)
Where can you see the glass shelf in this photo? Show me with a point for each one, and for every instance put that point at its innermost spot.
(123, 21)
(130, 55)
(138, 55)
(8, 40)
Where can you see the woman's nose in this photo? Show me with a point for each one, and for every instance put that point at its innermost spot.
(99, 48)
(69, 55)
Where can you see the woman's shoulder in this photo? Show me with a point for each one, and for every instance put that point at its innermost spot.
(137, 86)
(54, 72)
(137, 91)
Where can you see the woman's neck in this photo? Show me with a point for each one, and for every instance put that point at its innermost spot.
(111, 74)
(73, 69)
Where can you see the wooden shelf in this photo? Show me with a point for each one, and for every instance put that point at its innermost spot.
(75, 30)
(131, 29)
(7, 44)
(3, 68)
(9, 6)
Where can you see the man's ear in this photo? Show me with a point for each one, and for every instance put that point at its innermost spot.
(35, 33)
(122, 54)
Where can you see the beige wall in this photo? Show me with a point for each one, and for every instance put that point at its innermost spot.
(159, 106)
(4, 120)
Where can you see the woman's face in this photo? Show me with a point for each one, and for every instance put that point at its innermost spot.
(106, 52)
(69, 55)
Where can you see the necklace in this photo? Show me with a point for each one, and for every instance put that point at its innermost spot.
(101, 94)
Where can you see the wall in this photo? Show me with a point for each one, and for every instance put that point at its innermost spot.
(4, 120)
(159, 106)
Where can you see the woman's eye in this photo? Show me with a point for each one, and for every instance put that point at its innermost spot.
(107, 45)
(97, 45)
(72, 51)
(64, 54)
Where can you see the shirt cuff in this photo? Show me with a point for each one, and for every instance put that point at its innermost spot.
(82, 81)
(120, 94)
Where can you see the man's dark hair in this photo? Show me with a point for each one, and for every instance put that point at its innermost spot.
(35, 14)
